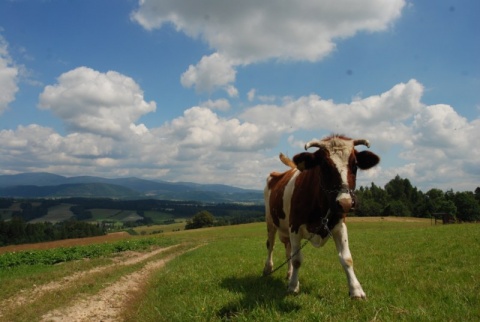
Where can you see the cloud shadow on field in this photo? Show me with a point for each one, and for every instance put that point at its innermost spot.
(258, 292)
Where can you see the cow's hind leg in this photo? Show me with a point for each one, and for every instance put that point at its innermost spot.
(340, 236)
(272, 230)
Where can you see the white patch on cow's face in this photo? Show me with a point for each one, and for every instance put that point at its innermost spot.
(340, 151)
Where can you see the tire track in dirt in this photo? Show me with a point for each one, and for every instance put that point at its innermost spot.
(107, 305)
(29, 296)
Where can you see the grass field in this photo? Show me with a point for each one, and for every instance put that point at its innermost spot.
(178, 225)
(410, 270)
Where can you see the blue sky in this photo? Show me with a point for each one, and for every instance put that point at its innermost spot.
(211, 92)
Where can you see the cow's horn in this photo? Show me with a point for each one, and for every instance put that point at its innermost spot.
(361, 142)
(313, 143)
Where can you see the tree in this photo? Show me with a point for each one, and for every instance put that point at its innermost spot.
(467, 206)
(200, 220)
(397, 208)
(368, 207)
(438, 202)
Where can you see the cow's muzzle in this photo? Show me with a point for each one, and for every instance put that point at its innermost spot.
(346, 201)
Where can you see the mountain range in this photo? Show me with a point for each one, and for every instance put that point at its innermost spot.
(48, 185)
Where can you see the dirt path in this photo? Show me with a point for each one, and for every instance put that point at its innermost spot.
(107, 304)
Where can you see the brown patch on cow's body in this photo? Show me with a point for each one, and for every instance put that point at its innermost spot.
(309, 205)
(276, 185)
(306, 206)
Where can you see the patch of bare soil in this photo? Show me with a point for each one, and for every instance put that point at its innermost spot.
(107, 305)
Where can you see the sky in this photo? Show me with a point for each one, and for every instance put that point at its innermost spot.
(211, 91)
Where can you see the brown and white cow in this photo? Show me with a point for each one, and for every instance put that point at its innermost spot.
(311, 200)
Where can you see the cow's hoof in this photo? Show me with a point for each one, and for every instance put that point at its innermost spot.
(267, 270)
(359, 296)
(294, 289)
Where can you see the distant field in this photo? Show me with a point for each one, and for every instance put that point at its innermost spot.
(127, 215)
(56, 214)
(159, 216)
(6, 214)
(103, 214)
(178, 225)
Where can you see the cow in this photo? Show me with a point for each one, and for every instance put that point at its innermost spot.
(311, 201)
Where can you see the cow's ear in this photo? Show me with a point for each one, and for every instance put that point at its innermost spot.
(305, 160)
(367, 159)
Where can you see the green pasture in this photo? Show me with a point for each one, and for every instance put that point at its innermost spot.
(411, 271)
(120, 215)
(158, 216)
(56, 214)
(153, 229)
(104, 214)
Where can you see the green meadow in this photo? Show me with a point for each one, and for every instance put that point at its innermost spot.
(410, 270)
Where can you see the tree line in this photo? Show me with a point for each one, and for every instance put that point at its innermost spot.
(205, 218)
(400, 198)
(18, 231)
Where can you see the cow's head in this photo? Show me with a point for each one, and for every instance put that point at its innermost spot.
(338, 162)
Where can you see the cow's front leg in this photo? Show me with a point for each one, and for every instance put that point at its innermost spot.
(340, 236)
(296, 262)
(288, 252)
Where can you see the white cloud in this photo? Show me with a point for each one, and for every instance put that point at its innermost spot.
(107, 104)
(250, 31)
(200, 128)
(385, 116)
(220, 104)
(439, 147)
(251, 94)
(231, 90)
(244, 32)
(440, 126)
(445, 148)
(8, 76)
(431, 145)
(211, 72)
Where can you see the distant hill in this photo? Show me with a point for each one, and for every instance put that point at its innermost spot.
(48, 185)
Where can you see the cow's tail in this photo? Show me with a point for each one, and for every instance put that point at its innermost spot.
(287, 161)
